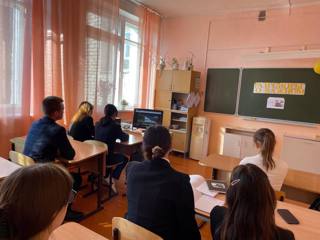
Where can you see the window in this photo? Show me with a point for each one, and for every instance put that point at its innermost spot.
(130, 54)
(101, 60)
(113, 59)
(12, 29)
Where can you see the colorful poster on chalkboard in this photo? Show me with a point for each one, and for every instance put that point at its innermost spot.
(275, 103)
(279, 88)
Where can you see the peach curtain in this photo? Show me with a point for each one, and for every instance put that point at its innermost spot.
(15, 70)
(150, 56)
(67, 48)
(75, 52)
(58, 52)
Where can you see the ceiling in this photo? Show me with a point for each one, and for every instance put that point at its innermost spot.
(178, 8)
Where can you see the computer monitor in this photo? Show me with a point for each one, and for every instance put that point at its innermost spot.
(144, 118)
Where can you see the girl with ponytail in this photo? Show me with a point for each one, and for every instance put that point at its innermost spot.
(159, 197)
(276, 170)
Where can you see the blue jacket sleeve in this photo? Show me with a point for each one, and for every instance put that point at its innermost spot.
(64, 146)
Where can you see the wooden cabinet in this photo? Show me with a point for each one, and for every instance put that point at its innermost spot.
(231, 145)
(238, 143)
(163, 99)
(301, 154)
(247, 147)
(172, 90)
(166, 118)
(164, 80)
(178, 141)
(181, 81)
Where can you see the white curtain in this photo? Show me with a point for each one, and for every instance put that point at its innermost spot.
(15, 70)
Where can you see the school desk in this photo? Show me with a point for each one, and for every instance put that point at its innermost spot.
(7, 167)
(74, 231)
(86, 155)
(295, 178)
(89, 154)
(307, 229)
(127, 147)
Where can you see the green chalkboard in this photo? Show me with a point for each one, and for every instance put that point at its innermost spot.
(221, 90)
(301, 108)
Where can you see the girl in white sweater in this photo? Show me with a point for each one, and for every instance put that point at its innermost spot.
(275, 169)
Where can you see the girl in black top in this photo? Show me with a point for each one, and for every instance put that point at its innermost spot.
(82, 127)
(251, 204)
(159, 197)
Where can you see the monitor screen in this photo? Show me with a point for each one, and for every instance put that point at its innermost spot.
(144, 118)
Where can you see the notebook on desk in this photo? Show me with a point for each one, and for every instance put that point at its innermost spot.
(218, 186)
(204, 199)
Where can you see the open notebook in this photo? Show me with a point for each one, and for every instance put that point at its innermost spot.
(203, 198)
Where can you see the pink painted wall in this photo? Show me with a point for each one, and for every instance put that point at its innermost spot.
(220, 42)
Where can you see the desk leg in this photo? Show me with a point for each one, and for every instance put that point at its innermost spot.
(99, 160)
(100, 170)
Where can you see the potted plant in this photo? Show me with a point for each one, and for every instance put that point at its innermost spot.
(175, 64)
(162, 63)
(124, 104)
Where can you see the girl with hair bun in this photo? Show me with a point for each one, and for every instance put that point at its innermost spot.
(276, 170)
(160, 198)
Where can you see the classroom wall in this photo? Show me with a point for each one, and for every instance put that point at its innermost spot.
(221, 41)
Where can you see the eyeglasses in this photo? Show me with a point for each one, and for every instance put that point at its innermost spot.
(72, 196)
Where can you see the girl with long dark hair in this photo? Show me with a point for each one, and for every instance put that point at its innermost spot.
(108, 130)
(249, 215)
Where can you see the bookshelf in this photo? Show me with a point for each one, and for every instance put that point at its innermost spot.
(171, 92)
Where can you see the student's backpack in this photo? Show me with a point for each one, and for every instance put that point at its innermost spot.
(315, 205)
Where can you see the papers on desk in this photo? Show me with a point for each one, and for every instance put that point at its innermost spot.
(200, 186)
(206, 203)
(203, 198)
(7, 167)
(203, 188)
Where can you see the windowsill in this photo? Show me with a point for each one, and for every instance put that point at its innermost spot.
(126, 110)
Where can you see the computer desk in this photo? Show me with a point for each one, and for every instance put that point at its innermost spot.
(132, 145)
(87, 155)
(308, 228)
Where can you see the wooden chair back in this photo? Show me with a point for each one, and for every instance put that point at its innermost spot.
(20, 158)
(18, 144)
(97, 143)
(70, 137)
(280, 196)
(122, 229)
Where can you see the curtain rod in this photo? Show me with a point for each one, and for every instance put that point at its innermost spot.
(149, 9)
